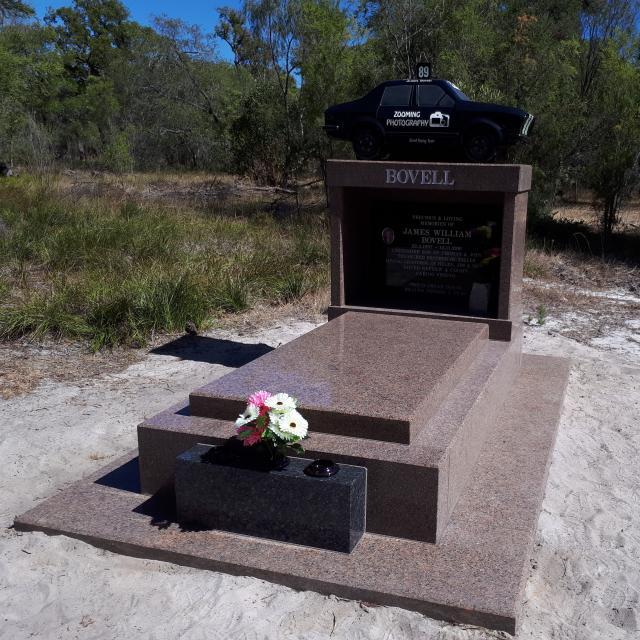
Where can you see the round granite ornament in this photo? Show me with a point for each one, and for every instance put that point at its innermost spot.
(322, 469)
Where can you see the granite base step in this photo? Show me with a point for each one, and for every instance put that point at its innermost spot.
(474, 575)
(412, 489)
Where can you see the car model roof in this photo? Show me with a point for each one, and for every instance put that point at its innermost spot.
(391, 83)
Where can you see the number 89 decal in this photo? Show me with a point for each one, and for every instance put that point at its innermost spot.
(423, 71)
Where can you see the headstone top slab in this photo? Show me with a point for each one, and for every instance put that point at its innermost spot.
(363, 375)
(504, 178)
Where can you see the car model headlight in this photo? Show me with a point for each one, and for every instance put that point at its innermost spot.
(527, 125)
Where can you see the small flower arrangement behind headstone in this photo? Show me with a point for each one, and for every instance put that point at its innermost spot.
(273, 421)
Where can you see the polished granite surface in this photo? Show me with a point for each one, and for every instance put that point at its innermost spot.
(423, 478)
(280, 504)
(475, 575)
(362, 375)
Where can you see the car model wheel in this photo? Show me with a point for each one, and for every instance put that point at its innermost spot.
(367, 143)
(480, 145)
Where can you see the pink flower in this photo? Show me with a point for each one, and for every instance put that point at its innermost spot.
(254, 438)
(259, 398)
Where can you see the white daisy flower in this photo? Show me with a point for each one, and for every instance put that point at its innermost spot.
(281, 403)
(275, 427)
(249, 415)
(292, 423)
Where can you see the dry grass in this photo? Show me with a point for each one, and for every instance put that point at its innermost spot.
(18, 379)
(586, 213)
(580, 270)
(312, 308)
(558, 282)
(219, 193)
(114, 269)
(77, 240)
(595, 297)
(25, 364)
(566, 275)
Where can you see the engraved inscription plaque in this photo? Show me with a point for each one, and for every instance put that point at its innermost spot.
(431, 257)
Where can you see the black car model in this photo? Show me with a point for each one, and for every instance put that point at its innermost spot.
(432, 112)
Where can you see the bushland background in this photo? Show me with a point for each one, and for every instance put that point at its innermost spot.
(158, 186)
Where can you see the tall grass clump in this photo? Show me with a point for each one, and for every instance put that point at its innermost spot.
(43, 315)
(114, 273)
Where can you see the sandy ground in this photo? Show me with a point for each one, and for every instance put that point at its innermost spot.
(584, 577)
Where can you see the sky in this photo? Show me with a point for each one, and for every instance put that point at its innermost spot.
(201, 12)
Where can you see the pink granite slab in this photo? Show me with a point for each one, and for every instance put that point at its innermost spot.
(355, 189)
(475, 575)
(473, 177)
(360, 375)
(498, 329)
(424, 478)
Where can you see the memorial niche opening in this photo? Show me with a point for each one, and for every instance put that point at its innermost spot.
(430, 257)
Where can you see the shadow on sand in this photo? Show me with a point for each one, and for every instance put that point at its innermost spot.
(213, 350)
(125, 478)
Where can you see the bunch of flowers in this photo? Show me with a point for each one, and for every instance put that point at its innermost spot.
(272, 419)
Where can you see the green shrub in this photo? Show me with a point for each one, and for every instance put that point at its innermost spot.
(231, 294)
(43, 315)
(117, 155)
(117, 274)
(292, 286)
(130, 311)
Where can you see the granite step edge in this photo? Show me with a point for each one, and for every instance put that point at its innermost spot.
(401, 478)
(448, 383)
(473, 578)
(428, 448)
(400, 425)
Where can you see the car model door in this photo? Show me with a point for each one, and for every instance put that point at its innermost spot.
(437, 109)
(395, 111)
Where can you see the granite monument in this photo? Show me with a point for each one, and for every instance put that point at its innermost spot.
(418, 377)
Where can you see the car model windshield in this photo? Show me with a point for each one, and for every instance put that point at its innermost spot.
(458, 93)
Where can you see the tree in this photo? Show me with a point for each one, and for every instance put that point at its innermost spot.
(407, 31)
(602, 22)
(299, 56)
(612, 170)
(14, 10)
(234, 29)
(265, 34)
(31, 75)
(92, 36)
(180, 99)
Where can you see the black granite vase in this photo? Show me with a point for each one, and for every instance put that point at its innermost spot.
(269, 456)
(263, 456)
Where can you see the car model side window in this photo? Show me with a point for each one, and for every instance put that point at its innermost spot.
(430, 95)
(447, 102)
(398, 95)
